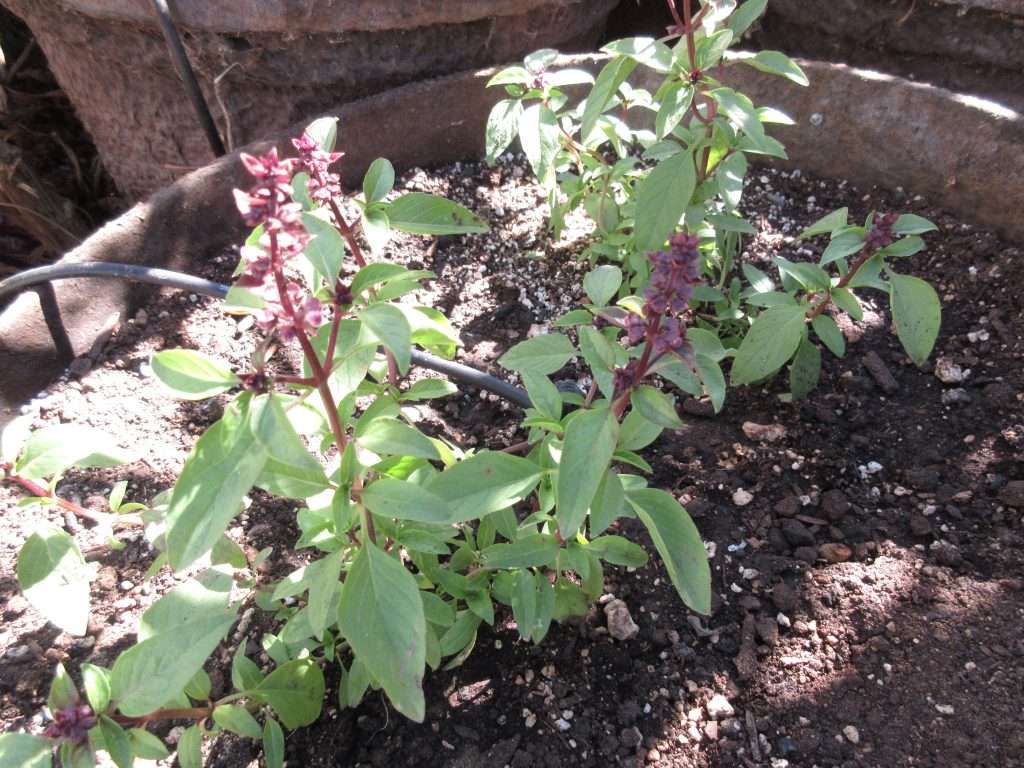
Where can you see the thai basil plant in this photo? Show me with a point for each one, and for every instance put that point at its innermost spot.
(411, 542)
(668, 151)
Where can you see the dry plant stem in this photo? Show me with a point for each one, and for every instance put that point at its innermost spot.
(675, 14)
(516, 448)
(190, 713)
(78, 511)
(346, 231)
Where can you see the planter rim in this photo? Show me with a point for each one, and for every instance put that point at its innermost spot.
(945, 145)
(310, 16)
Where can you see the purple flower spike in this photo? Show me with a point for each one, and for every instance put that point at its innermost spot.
(322, 185)
(269, 205)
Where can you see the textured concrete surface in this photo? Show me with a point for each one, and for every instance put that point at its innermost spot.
(990, 32)
(297, 58)
(312, 15)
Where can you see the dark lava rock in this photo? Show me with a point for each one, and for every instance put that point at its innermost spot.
(999, 394)
(784, 597)
(1013, 494)
(768, 630)
(948, 555)
(797, 534)
(788, 507)
(629, 712)
(834, 504)
(776, 541)
(786, 746)
(808, 554)
(631, 738)
(696, 407)
(920, 525)
(922, 479)
(880, 372)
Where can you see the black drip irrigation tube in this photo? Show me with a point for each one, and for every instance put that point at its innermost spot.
(170, 279)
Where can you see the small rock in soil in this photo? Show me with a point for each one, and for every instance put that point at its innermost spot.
(18, 654)
(106, 579)
(880, 372)
(834, 504)
(852, 734)
(746, 659)
(923, 479)
(742, 497)
(835, 552)
(958, 396)
(719, 707)
(949, 372)
(16, 606)
(620, 623)
(765, 433)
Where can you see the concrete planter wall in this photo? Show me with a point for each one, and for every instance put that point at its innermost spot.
(279, 60)
(869, 128)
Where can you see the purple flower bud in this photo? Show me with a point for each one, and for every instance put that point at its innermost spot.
(674, 275)
(636, 328)
(881, 234)
(71, 723)
(626, 377)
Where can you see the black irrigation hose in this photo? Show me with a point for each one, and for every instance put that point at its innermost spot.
(171, 279)
(188, 77)
(163, 277)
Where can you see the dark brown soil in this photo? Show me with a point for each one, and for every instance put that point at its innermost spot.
(908, 653)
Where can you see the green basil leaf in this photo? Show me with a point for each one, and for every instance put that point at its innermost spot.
(662, 198)
(770, 342)
(54, 578)
(420, 213)
(235, 718)
(222, 467)
(295, 691)
(678, 543)
(381, 616)
(587, 450)
(917, 314)
(190, 375)
(535, 550)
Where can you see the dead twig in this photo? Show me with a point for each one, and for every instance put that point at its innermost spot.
(223, 109)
